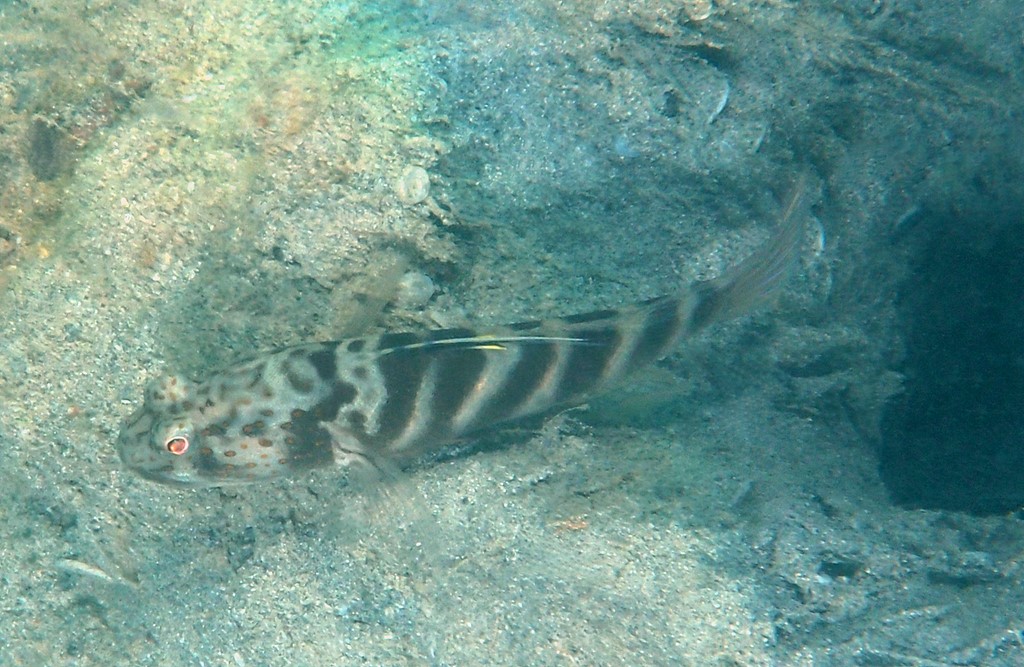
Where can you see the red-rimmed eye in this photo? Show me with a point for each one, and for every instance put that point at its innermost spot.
(177, 445)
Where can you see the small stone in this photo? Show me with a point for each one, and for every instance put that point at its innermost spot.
(413, 186)
(414, 290)
(698, 10)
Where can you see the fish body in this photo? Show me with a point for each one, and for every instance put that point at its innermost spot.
(392, 398)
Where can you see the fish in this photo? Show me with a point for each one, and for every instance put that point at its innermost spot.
(387, 400)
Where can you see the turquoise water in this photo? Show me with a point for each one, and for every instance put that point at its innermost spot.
(831, 480)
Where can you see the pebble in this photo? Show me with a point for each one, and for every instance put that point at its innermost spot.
(413, 186)
(414, 290)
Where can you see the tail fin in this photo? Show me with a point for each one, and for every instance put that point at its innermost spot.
(759, 278)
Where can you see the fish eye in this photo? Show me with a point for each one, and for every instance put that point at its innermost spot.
(177, 445)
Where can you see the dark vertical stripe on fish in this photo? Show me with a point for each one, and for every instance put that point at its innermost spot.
(402, 372)
(587, 362)
(457, 375)
(705, 310)
(660, 328)
(535, 358)
(309, 445)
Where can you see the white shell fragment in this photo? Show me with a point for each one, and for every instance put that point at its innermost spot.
(698, 10)
(723, 99)
(413, 186)
(414, 290)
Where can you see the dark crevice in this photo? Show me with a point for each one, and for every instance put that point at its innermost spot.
(955, 439)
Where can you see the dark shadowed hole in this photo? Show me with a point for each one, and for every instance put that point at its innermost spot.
(955, 439)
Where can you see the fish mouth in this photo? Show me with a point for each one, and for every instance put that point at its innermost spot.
(167, 478)
(182, 479)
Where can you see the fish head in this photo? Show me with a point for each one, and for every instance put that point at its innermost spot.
(224, 432)
(159, 441)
